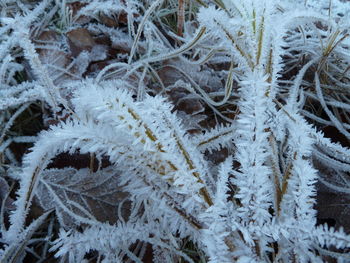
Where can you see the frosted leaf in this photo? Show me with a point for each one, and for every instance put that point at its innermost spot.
(82, 193)
(4, 192)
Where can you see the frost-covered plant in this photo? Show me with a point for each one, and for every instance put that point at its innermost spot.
(152, 183)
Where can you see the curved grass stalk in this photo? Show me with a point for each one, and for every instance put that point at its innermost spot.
(141, 26)
(140, 63)
(331, 116)
(200, 33)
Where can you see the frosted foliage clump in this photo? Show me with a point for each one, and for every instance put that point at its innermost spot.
(174, 131)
